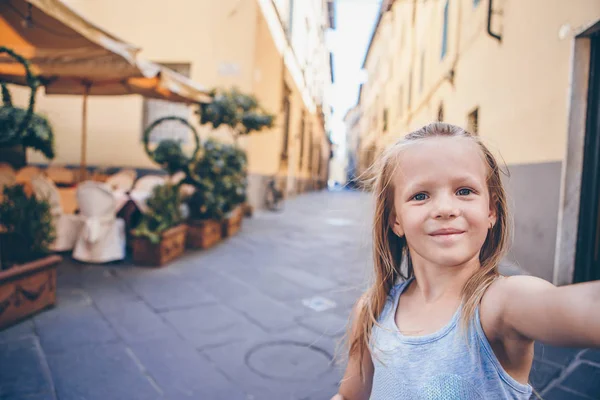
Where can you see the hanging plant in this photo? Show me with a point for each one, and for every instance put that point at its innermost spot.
(169, 153)
(19, 126)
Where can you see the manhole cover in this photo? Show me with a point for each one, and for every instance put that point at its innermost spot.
(319, 303)
(288, 361)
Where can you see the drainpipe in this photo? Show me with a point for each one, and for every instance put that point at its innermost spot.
(489, 23)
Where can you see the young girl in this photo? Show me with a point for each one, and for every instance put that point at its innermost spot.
(440, 322)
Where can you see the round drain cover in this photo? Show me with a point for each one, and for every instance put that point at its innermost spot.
(288, 361)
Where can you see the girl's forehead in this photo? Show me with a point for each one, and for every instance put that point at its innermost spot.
(441, 157)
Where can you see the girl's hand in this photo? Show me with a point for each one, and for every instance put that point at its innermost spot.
(338, 397)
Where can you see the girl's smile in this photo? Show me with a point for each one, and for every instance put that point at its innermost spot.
(447, 236)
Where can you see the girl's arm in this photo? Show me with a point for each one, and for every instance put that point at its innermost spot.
(352, 386)
(560, 316)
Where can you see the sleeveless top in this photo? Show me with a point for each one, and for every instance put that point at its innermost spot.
(438, 366)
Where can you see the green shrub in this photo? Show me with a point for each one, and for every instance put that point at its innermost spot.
(164, 212)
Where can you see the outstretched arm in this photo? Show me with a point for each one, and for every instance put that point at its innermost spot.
(560, 316)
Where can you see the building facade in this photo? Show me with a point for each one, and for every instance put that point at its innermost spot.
(230, 43)
(352, 122)
(503, 70)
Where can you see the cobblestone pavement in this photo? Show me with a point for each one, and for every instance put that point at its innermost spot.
(257, 317)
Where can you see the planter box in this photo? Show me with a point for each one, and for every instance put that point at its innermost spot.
(247, 209)
(26, 289)
(233, 224)
(203, 234)
(171, 246)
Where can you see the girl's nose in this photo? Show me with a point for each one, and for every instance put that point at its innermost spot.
(445, 207)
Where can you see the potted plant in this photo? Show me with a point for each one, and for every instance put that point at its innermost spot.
(208, 204)
(28, 273)
(22, 128)
(234, 188)
(241, 113)
(160, 235)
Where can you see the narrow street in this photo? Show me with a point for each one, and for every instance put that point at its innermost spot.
(257, 317)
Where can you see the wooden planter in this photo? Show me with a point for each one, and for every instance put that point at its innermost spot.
(203, 234)
(233, 224)
(26, 289)
(247, 209)
(171, 246)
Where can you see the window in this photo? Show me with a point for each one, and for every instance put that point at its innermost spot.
(286, 122)
(302, 129)
(422, 72)
(154, 109)
(475, 3)
(385, 120)
(473, 122)
(445, 31)
(440, 116)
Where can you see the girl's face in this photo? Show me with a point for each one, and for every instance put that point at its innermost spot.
(441, 202)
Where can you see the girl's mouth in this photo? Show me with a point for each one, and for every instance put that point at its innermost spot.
(446, 232)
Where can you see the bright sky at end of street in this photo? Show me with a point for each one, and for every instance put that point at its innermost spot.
(355, 20)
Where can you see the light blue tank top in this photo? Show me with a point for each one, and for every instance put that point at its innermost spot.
(438, 366)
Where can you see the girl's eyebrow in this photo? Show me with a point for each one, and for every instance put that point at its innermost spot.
(418, 185)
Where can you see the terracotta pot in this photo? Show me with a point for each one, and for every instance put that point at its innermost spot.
(233, 223)
(203, 234)
(27, 288)
(171, 246)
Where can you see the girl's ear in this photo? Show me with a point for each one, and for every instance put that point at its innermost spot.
(492, 216)
(396, 224)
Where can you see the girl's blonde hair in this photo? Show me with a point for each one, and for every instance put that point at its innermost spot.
(389, 250)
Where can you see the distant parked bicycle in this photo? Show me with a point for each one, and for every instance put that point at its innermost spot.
(273, 196)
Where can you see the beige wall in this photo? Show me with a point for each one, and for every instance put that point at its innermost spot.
(227, 43)
(519, 85)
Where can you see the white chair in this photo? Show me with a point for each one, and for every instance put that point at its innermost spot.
(67, 226)
(102, 237)
(25, 174)
(122, 180)
(148, 183)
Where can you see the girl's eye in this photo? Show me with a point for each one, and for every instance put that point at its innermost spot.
(464, 192)
(420, 197)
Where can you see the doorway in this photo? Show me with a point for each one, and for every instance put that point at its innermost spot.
(587, 255)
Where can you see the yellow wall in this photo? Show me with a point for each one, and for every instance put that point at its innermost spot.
(520, 85)
(227, 43)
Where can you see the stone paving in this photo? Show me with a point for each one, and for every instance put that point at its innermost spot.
(257, 317)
